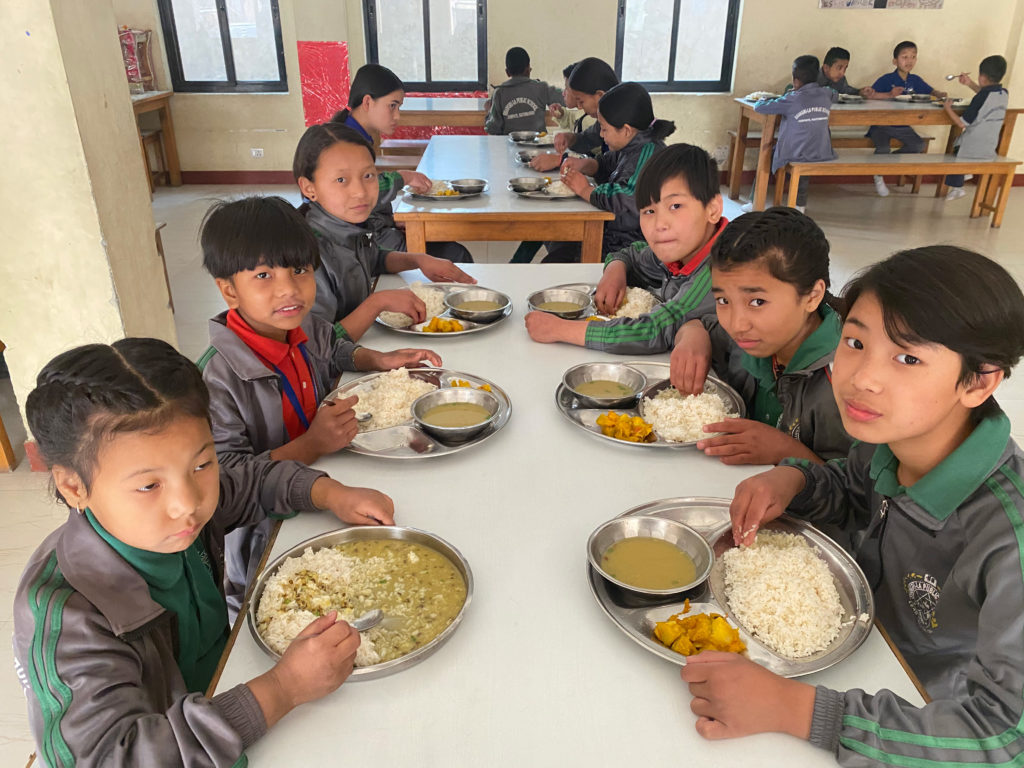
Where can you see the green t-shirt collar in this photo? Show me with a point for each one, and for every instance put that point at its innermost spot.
(821, 343)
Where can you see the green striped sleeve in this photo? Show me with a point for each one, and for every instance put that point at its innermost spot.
(389, 179)
(205, 358)
(628, 188)
(340, 334)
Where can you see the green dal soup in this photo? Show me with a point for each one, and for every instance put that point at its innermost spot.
(559, 306)
(456, 415)
(479, 306)
(648, 563)
(603, 388)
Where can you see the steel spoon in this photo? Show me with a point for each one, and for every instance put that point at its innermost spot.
(368, 620)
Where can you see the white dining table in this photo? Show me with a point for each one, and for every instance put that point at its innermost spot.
(536, 674)
(499, 213)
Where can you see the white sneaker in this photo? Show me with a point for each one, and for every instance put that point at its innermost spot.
(801, 208)
(955, 193)
(747, 207)
(880, 188)
(968, 176)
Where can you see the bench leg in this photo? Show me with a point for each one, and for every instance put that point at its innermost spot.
(736, 157)
(794, 185)
(780, 186)
(917, 185)
(941, 189)
(979, 196)
(1004, 195)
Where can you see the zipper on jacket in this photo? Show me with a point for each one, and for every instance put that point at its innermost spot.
(883, 519)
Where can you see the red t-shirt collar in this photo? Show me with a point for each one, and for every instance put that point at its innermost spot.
(268, 350)
(679, 268)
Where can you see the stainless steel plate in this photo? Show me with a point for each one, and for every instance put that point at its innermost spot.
(362, 533)
(540, 141)
(586, 418)
(444, 198)
(468, 325)
(408, 441)
(542, 195)
(710, 517)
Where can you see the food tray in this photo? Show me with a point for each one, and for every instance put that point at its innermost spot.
(364, 533)
(539, 194)
(524, 156)
(444, 198)
(636, 615)
(590, 289)
(469, 326)
(407, 440)
(586, 418)
(540, 141)
(851, 98)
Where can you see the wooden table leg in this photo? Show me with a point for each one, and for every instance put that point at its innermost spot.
(1004, 195)
(794, 185)
(415, 237)
(764, 162)
(593, 238)
(780, 186)
(170, 145)
(736, 161)
(979, 196)
(1005, 136)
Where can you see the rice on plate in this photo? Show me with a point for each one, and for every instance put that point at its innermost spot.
(783, 593)
(432, 297)
(389, 398)
(559, 188)
(681, 419)
(636, 302)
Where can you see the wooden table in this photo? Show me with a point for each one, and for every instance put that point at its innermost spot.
(160, 101)
(870, 112)
(536, 675)
(430, 111)
(500, 214)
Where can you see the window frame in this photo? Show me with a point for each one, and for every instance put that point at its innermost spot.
(231, 85)
(429, 86)
(724, 82)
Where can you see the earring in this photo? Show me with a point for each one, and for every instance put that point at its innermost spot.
(78, 508)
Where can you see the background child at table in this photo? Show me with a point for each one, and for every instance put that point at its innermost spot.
(588, 82)
(334, 168)
(520, 103)
(374, 108)
(568, 114)
(983, 119)
(119, 616)
(772, 339)
(680, 206)
(271, 362)
(933, 496)
(896, 83)
(833, 73)
(633, 135)
(803, 134)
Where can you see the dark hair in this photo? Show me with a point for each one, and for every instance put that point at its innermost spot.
(317, 138)
(591, 75)
(630, 104)
(806, 69)
(92, 393)
(239, 235)
(902, 46)
(790, 244)
(517, 61)
(834, 54)
(568, 70)
(941, 294)
(993, 67)
(685, 161)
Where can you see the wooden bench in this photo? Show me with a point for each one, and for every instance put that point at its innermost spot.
(397, 162)
(994, 175)
(413, 147)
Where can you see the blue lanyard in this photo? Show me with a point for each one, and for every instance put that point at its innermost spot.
(289, 391)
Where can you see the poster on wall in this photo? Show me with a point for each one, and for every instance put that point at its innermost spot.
(858, 4)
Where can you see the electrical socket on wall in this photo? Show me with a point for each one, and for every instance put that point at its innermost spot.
(256, 152)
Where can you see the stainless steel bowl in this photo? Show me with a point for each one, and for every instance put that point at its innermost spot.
(523, 135)
(617, 372)
(454, 395)
(468, 186)
(560, 294)
(527, 183)
(366, 533)
(682, 536)
(526, 155)
(920, 98)
(455, 299)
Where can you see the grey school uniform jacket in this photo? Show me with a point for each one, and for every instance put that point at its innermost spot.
(840, 86)
(96, 654)
(944, 559)
(684, 297)
(520, 104)
(350, 257)
(984, 117)
(616, 176)
(588, 140)
(803, 134)
(382, 219)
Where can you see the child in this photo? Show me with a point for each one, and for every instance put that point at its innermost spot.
(334, 169)
(680, 216)
(983, 119)
(803, 134)
(772, 341)
(567, 114)
(889, 86)
(119, 616)
(629, 128)
(271, 361)
(374, 104)
(589, 80)
(833, 74)
(520, 104)
(933, 495)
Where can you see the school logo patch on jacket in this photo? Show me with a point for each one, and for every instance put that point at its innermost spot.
(923, 594)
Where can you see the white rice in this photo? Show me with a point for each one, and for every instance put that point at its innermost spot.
(432, 297)
(389, 397)
(680, 419)
(637, 302)
(439, 186)
(782, 591)
(559, 188)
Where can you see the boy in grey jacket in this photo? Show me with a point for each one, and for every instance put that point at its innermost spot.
(982, 121)
(520, 104)
(932, 500)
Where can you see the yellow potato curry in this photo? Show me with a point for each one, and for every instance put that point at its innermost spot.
(622, 426)
(690, 635)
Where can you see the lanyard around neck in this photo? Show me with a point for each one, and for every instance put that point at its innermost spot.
(289, 391)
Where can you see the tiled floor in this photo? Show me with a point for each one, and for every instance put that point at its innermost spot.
(861, 227)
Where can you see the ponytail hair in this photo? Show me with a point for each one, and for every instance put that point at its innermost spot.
(371, 80)
(318, 138)
(790, 245)
(591, 75)
(630, 104)
(89, 394)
